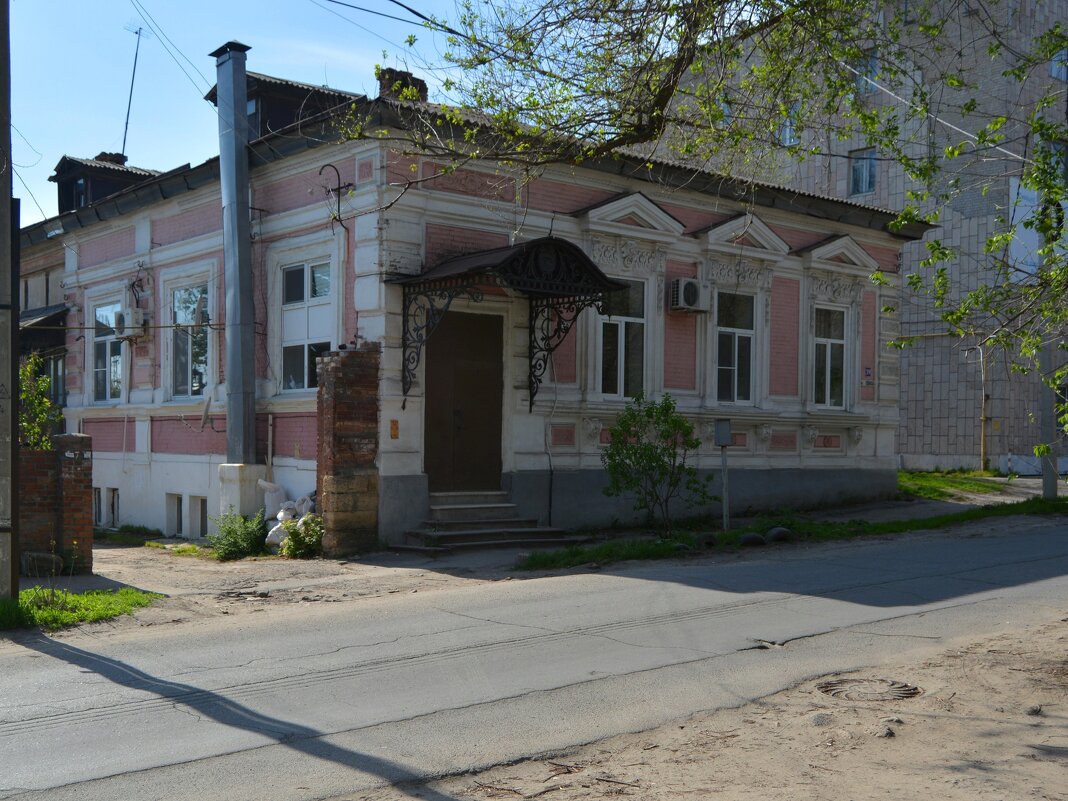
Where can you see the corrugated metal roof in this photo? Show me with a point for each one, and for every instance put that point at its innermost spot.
(106, 165)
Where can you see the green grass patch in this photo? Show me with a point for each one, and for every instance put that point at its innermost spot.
(610, 551)
(189, 549)
(53, 609)
(804, 530)
(939, 486)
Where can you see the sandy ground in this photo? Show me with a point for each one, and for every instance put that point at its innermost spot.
(991, 722)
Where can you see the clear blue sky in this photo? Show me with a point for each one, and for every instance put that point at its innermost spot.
(71, 62)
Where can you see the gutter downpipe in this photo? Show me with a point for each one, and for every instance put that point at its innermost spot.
(239, 491)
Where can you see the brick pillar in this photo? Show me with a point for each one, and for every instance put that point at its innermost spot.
(56, 504)
(346, 469)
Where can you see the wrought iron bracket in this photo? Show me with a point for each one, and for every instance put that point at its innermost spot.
(424, 306)
(551, 319)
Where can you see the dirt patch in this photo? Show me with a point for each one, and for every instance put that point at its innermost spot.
(991, 723)
(198, 588)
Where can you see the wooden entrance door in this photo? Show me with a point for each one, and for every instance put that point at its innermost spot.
(464, 386)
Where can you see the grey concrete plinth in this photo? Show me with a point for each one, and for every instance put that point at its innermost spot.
(239, 490)
(6, 590)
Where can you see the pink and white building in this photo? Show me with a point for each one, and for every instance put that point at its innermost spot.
(748, 302)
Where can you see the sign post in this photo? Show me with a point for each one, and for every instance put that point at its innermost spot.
(724, 439)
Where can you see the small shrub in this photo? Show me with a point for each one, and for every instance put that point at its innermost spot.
(39, 417)
(304, 538)
(238, 536)
(647, 458)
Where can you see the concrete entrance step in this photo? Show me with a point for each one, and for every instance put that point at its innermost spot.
(476, 498)
(471, 511)
(447, 541)
(490, 522)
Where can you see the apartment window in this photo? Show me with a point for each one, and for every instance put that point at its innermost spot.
(829, 358)
(189, 341)
(107, 354)
(1058, 65)
(307, 322)
(623, 342)
(98, 507)
(867, 68)
(55, 367)
(734, 348)
(788, 130)
(862, 171)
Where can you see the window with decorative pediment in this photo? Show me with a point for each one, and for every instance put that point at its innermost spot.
(735, 326)
(622, 342)
(829, 360)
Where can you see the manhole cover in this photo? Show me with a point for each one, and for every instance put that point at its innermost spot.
(868, 689)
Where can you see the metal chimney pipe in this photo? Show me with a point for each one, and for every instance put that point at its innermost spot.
(232, 104)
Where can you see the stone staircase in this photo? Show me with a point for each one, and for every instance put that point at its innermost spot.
(474, 520)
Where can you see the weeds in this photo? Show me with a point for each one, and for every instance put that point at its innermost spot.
(304, 538)
(53, 609)
(944, 486)
(238, 536)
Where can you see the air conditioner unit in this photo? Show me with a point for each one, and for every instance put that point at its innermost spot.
(687, 294)
(129, 322)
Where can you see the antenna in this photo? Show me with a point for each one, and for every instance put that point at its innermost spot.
(138, 32)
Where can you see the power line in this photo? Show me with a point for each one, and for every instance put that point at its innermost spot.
(161, 36)
(159, 28)
(29, 191)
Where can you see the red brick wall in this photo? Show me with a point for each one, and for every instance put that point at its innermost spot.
(346, 473)
(107, 247)
(680, 336)
(175, 435)
(565, 358)
(785, 333)
(798, 238)
(56, 511)
(693, 219)
(471, 183)
(546, 195)
(295, 435)
(302, 189)
(107, 434)
(187, 224)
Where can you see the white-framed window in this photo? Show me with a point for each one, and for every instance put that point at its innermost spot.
(107, 353)
(1058, 65)
(190, 340)
(735, 324)
(307, 321)
(829, 358)
(862, 166)
(622, 342)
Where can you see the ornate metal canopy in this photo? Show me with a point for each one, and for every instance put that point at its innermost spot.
(558, 279)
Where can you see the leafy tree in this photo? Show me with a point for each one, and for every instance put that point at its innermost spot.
(647, 457)
(39, 417)
(746, 88)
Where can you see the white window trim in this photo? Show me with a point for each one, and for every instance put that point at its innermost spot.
(598, 338)
(180, 278)
(105, 295)
(848, 342)
(755, 350)
(311, 249)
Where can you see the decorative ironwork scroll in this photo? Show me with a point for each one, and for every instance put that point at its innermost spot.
(424, 306)
(551, 319)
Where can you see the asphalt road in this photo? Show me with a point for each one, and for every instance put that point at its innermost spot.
(300, 704)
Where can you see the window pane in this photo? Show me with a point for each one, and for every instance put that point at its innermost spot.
(821, 373)
(734, 311)
(837, 374)
(116, 369)
(725, 384)
(745, 360)
(186, 301)
(610, 358)
(100, 373)
(180, 373)
(725, 356)
(100, 355)
(198, 348)
(320, 280)
(629, 302)
(293, 285)
(293, 367)
(830, 323)
(105, 319)
(314, 351)
(634, 369)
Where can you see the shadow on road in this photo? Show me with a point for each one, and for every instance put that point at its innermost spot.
(213, 706)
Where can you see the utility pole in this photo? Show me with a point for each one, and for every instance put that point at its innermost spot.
(9, 331)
